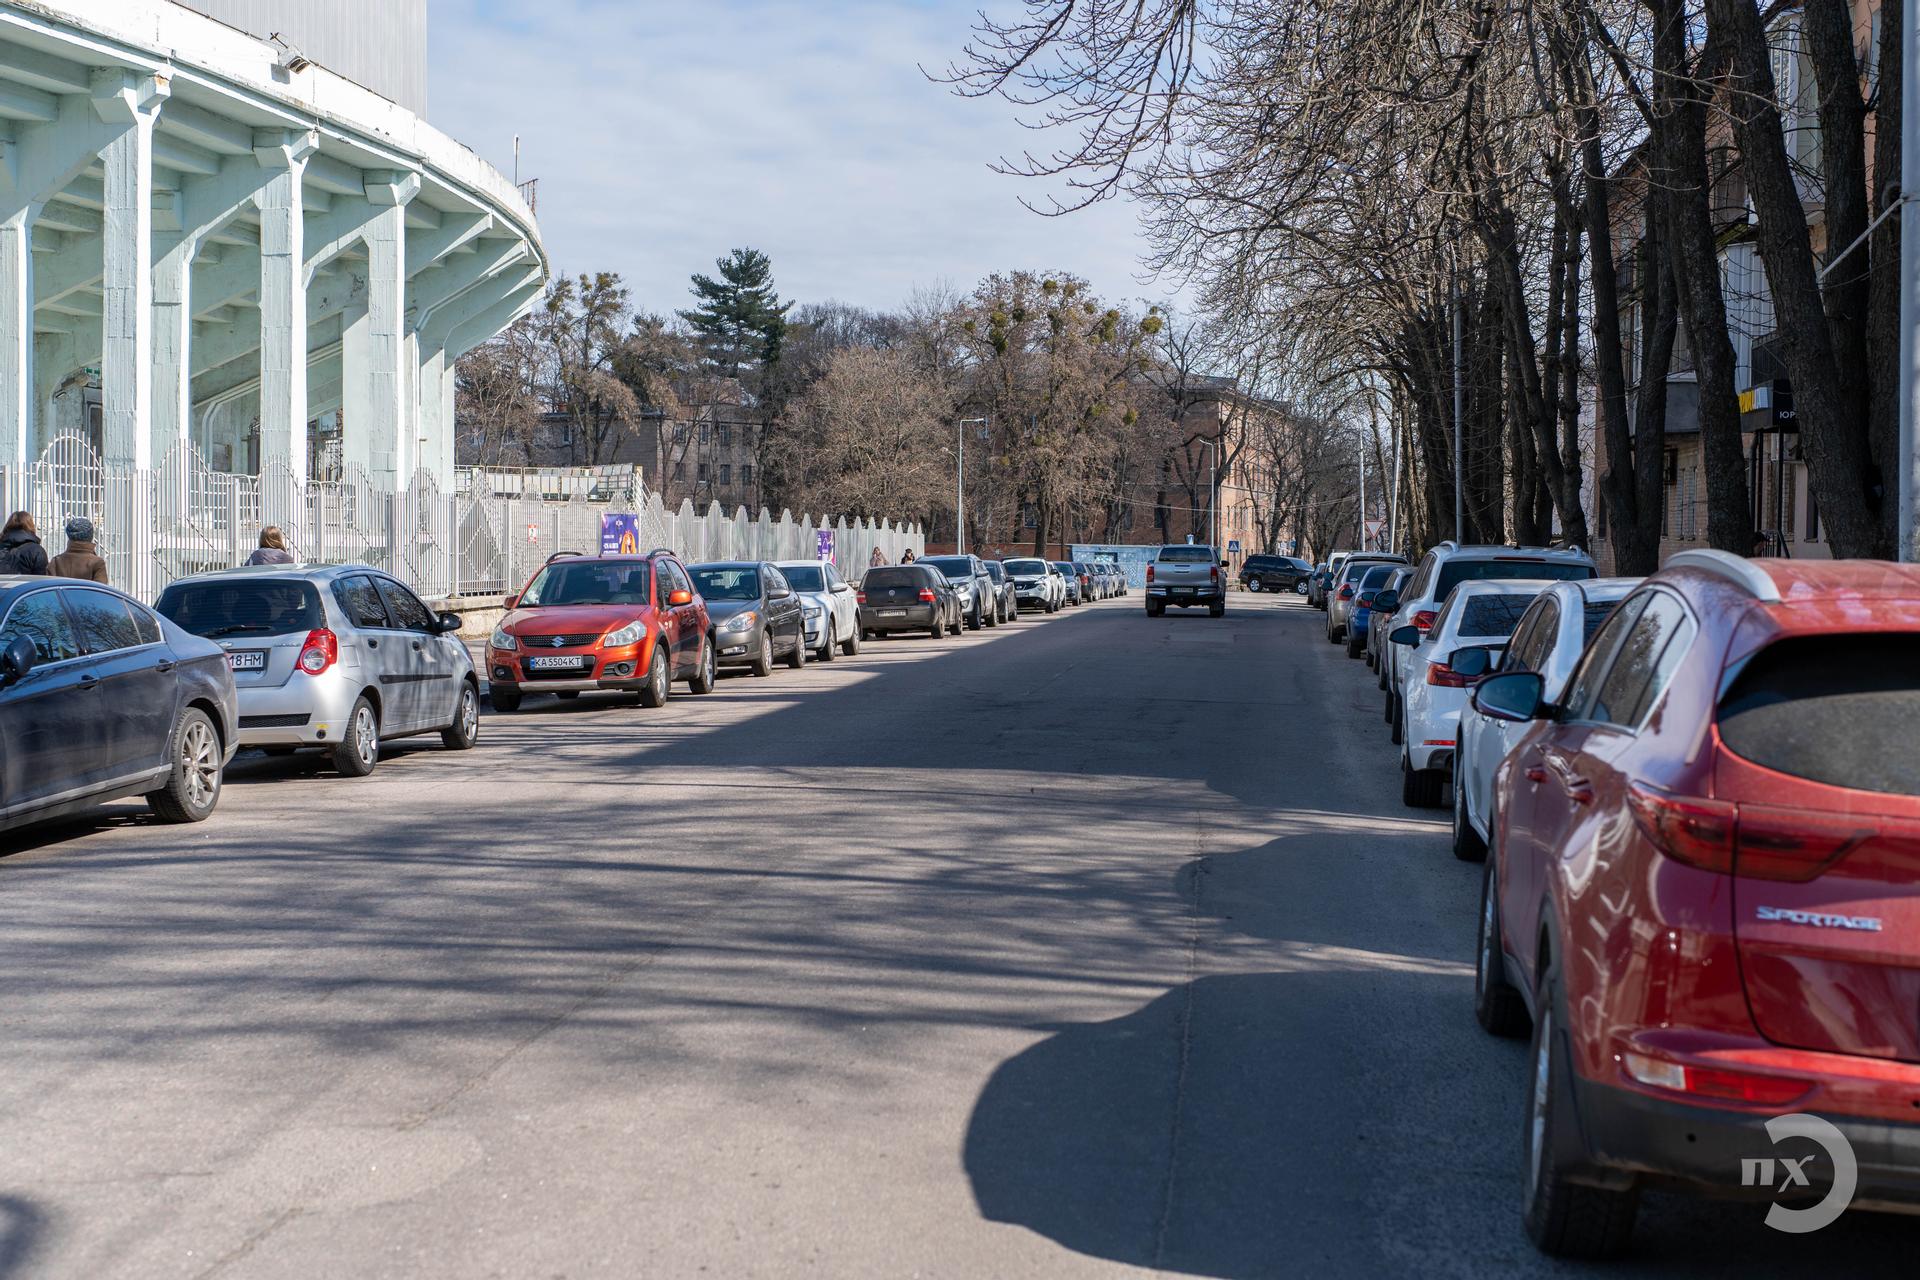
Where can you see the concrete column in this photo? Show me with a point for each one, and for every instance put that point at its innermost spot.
(433, 424)
(374, 420)
(283, 297)
(132, 101)
(172, 344)
(16, 339)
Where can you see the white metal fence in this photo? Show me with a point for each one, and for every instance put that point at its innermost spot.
(153, 526)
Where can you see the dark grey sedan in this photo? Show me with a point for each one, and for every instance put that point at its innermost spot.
(101, 698)
(757, 616)
(908, 597)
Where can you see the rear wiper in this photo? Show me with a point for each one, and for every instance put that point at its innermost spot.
(237, 627)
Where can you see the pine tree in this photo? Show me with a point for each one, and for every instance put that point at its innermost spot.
(740, 320)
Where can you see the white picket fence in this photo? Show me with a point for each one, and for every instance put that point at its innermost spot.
(183, 517)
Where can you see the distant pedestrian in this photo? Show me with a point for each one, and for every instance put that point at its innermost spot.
(20, 549)
(877, 559)
(906, 557)
(79, 560)
(1761, 543)
(272, 549)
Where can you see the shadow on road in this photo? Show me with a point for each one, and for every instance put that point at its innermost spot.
(21, 1226)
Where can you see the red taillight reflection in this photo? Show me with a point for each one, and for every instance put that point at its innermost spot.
(1366, 600)
(1689, 829)
(1439, 673)
(320, 650)
(1794, 844)
(1346, 592)
(926, 595)
(859, 597)
(1149, 573)
(1213, 572)
(1423, 620)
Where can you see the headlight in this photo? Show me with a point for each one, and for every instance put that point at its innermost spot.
(501, 640)
(812, 610)
(740, 621)
(632, 633)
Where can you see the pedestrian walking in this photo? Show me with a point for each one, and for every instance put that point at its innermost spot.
(272, 548)
(877, 559)
(20, 549)
(79, 560)
(906, 557)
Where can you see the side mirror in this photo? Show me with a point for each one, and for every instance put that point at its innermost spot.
(842, 587)
(779, 593)
(1472, 662)
(446, 623)
(16, 660)
(1386, 602)
(1404, 635)
(1514, 697)
(675, 598)
(512, 601)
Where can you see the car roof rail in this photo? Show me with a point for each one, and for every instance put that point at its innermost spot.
(663, 551)
(1732, 568)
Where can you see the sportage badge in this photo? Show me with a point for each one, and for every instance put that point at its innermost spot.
(1818, 919)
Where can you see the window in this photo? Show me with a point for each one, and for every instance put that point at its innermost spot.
(702, 473)
(42, 619)
(725, 433)
(149, 625)
(746, 475)
(726, 474)
(1640, 672)
(222, 607)
(676, 576)
(679, 471)
(102, 621)
(706, 433)
(589, 582)
(1534, 637)
(406, 608)
(1835, 708)
(361, 602)
(1586, 677)
(679, 433)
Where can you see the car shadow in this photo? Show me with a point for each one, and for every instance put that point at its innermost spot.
(21, 1227)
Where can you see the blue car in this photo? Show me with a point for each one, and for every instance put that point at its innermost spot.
(1370, 584)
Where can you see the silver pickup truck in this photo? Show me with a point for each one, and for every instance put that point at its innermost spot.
(1186, 576)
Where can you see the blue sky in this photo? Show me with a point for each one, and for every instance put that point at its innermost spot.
(665, 132)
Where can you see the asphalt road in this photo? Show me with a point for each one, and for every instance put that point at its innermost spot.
(1092, 944)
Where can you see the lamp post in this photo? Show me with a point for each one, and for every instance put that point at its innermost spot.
(1909, 532)
(960, 482)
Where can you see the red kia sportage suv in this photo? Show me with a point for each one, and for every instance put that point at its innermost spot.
(1704, 894)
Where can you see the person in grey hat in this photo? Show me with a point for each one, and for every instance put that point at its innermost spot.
(79, 560)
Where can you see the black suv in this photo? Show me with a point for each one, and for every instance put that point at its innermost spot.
(1272, 573)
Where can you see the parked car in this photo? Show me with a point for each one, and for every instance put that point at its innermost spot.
(1372, 581)
(1444, 662)
(616, 624)
(101, 699)
(338, 657)
(971, 582)
(1701, 893)
(1346, 584)
(1185, 576)
(1088, 580)
(908, 597)
(833, 618)
(1449, 564)
(1006, 602)
(1386, 603)
(1033, 584)
(1059, 580)
(1550, 638)
(758, 618)
(1317, 583)
(1272, 572)
(1076, 592)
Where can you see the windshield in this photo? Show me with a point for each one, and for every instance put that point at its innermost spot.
(1455, 572)
(995, 571)
(243, 608)
(1186, 555)
(1065, 568)
(952, 566)
(741, 582)
(589, 582)
(1493, 615)
(1033, 568)
(805, 577)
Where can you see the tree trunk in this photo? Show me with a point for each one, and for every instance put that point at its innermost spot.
(1659, 323)
(1884, 351)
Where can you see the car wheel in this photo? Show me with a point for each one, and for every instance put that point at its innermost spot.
(465, 729)
(1497, 1005)
(659, 685)
(1218, 609)
(797, 656)
(1253, 584)
(1467, 844)
(828, 646)
(704, 677)
(1356, 645)
(851, 645)
(1399, 726)
(763, 656)
(193, 777)
(1419, 788)
(504, 700)
(1565, 1218)
(974, 622)
(1155, 610)
(939, 629)
(359, 749)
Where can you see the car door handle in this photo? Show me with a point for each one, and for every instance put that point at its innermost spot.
(163, 666)
(89, 682)
(372, 643)
(416, 646)
(1578, 789)
(1536, 774)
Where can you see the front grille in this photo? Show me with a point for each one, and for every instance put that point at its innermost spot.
(273, 722)
(536, 643)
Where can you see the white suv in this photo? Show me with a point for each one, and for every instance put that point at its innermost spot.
(1445, 567)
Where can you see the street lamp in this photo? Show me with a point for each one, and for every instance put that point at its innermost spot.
(960, 481)
(1213, 493)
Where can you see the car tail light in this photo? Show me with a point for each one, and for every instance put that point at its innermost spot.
(1439, 673)
(320, 650)
(859, 597)
(1213, 572)
(1346, 592)
(1366, 600)
(926, 595)
(1149, 573)
(1713, 1082)
(1794, 844)
(1689, 829)
(1423, 620)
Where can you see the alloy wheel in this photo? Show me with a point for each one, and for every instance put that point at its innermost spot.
(366, 737)
(200, 763)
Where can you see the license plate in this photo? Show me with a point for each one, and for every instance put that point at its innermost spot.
(557, 664)
(1183, 591)
(247, 660)
(893, 613)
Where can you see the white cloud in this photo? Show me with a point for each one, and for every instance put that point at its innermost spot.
(664, 134)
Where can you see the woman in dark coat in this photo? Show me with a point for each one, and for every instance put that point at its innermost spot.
(20, 549)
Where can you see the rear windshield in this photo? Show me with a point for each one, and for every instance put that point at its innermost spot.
(1455, 572)
(995, 572)
(1376, 577)
(243, 607)
(1597, 614)
(806, 577)
(1186, 555)
(1033, 567)
(589, 582)
(1065, 567)
(1493, 615)
(1836, 709)
(898, 576)
(742, 583)
(952, 566)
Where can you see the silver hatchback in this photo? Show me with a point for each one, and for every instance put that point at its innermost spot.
(338, 657)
